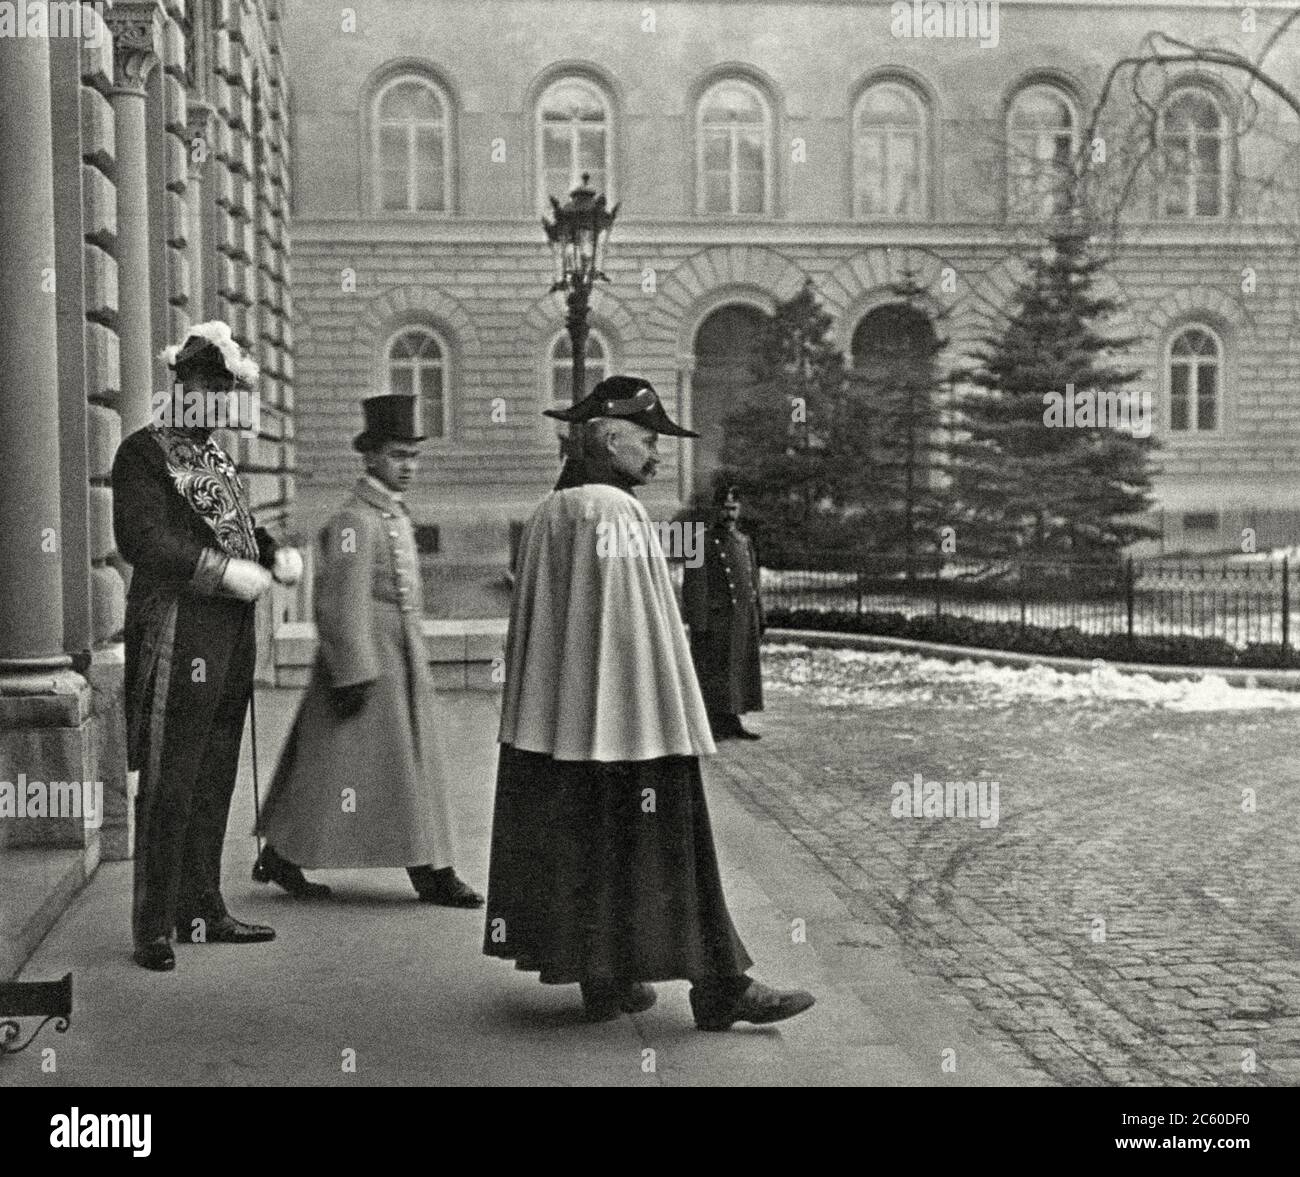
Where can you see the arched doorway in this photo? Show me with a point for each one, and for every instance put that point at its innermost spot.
(889, 332)
(727, 364)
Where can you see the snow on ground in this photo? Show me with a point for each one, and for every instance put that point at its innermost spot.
(863, 678)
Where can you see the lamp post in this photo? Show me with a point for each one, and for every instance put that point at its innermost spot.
(578, 234)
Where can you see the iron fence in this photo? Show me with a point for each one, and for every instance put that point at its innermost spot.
(1241, 603)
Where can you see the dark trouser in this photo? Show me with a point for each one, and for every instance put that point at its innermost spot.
(182, 810)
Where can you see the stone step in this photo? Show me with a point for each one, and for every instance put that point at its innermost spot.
(37, 885)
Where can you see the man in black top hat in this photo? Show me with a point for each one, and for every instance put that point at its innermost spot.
(603, 870)
(199, 563)
(720, 597)
(370, 726)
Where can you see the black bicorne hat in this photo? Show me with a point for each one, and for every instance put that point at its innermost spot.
(628, 398)
(390, 418)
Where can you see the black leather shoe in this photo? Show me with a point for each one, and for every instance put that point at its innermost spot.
(223, 929)
(443, 887)
(271, 868)
(156, 955)
(758, 1004)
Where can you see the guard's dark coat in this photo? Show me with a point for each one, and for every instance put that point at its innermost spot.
(722, 605)
(179, 513)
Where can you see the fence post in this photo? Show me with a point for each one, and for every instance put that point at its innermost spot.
(858, 579)
(1129, 595)
(1286, 606)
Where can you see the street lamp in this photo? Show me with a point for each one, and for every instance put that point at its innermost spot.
(578, 235)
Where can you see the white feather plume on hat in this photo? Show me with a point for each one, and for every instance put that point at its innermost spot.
(238, 362)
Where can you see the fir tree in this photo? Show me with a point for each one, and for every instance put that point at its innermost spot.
(793, 444)
(1028, 482)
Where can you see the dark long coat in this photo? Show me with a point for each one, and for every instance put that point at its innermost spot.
(722, 605)
(179, 514)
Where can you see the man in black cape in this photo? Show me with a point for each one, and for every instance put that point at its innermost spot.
(603, 870)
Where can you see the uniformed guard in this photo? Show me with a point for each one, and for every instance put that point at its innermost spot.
(724, 609)
(362, 780)
(181, 520)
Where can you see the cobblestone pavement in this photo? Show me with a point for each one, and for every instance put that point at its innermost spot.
(1127, 920)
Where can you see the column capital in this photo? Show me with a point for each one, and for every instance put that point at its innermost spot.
(136, 26)
(198, 125)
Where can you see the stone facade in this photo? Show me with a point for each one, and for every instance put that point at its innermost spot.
(145, 188)
(470, 262)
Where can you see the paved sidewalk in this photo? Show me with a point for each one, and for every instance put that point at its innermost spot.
(405, 986)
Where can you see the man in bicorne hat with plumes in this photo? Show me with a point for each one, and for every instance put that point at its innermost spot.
(603, 870)
(363, 778)
(181, 520)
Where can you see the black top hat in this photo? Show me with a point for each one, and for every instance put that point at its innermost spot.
(390, 418)
(628, 398)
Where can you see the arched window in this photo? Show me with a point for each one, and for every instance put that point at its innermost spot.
(1193, 175)
(1195, 380)
(1042, 130)
(411, 147)
(417, 366)
(573, 137)
(734, 150)
(889, 146)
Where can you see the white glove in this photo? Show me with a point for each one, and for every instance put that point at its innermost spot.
(288, 566)
(245, 579)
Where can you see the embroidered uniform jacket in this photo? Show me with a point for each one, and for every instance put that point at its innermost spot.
(179, 514)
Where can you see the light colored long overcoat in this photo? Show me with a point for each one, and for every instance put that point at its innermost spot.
(389, 756)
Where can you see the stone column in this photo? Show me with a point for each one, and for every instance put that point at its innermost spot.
(44, 705)
(136, 26)
(200, 130)
(31, 587)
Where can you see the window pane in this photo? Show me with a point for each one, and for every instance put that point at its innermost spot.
(717, 193)
(1208, 197)
(1208, 154)
(889, 106)
(717, 151)
(556, 152)
(904, 175)
(573, 100)
(749, 193)
(749, 152)
(392, 189)
(591, 151)
(410, 100)
(429, 189)
(1207, 397)
(428, 147)
(732, 103)
(434, 409)
(401, 380)
(1179, 375)
(1041, 107)
(392, 147)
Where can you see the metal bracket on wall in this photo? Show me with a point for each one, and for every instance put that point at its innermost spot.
(33, 999)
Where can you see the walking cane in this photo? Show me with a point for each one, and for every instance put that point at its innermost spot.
(257, 804)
